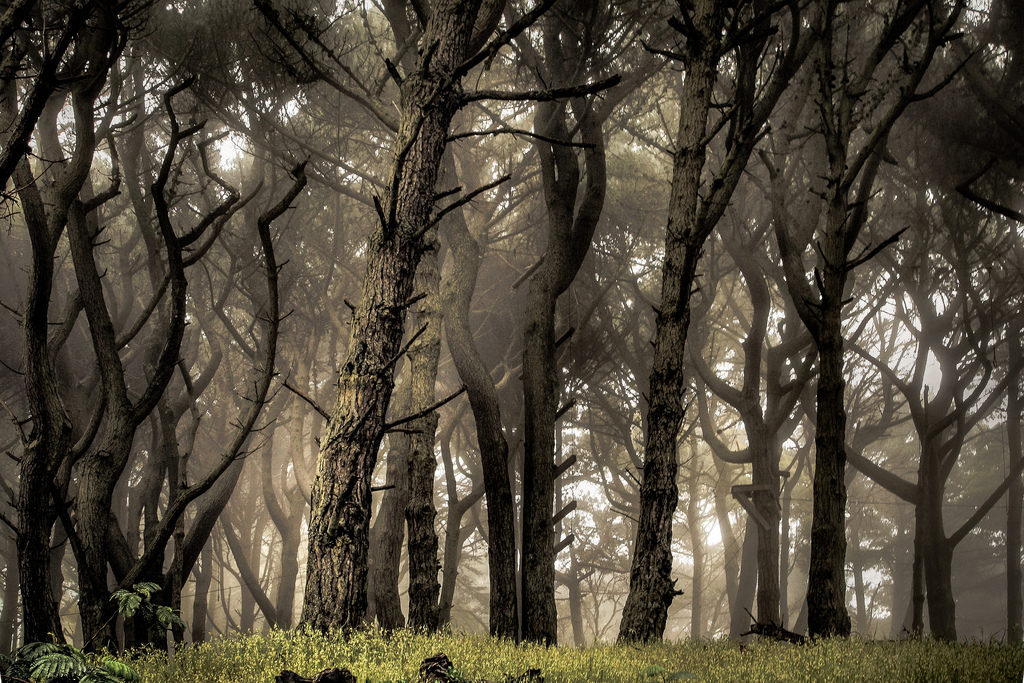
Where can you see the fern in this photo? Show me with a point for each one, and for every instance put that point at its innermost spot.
(119, 670)
(69, 663)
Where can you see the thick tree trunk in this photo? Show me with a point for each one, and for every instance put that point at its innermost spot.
(826, 580)
(339, 524)
(424, 587)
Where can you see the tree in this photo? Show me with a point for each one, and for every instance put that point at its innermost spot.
(430, 95)
(711, 32)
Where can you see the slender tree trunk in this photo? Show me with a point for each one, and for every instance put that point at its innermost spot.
(9, 613)
(746, 586)
(1015, 501)
(917, 571)
(424, 587)
(573, 211)
(936, 550)
(765, 474)
(731, 550)
(339, 523)
(697, 546)
(540, 383)
(388, 533)
(483, 399)
(201, 598)
(857, 564)
(651, 587)
(49, 440)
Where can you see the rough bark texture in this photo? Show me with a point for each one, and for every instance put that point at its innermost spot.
(651, 588)
(388, 533)
(424, 587)
(826, 579)
(339, 524)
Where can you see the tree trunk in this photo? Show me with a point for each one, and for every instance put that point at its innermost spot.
(746, 586)
(936, 550)
(49, 440)
(1015, 502)
(388, 533)
(483, 399)
(424, 588)
(573, 210)
(339, 523)
(201, 597)
(826, 580)
(693, 521)
(856, 561)
(651, 587)
(9, 613)
(765, 474)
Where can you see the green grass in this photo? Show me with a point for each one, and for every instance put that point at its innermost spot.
(375, 657)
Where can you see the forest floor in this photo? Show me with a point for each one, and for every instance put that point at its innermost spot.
(375, 657)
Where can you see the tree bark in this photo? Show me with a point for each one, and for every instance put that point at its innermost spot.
(651, 588)
(339, 524)
(388, 533)
(424, 587)
(693, 521)
(746, 584)
(201, 597)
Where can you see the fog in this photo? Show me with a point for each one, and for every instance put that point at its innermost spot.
(563, 321)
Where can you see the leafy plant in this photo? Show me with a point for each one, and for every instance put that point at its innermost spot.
(138, 599)
(58, 663)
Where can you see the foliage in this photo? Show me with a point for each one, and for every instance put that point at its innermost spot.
(378, 657)
(138, 599)
(59, 663)
(53, 663)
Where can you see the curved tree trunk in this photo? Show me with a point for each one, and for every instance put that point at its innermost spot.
(483, 399)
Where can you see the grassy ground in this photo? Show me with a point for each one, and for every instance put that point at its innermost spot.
(374, 657)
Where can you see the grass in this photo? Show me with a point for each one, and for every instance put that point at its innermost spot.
(375, 657)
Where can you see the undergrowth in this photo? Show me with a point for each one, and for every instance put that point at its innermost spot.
(377, 657)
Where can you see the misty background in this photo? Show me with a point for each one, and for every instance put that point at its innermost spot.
(154, 191)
